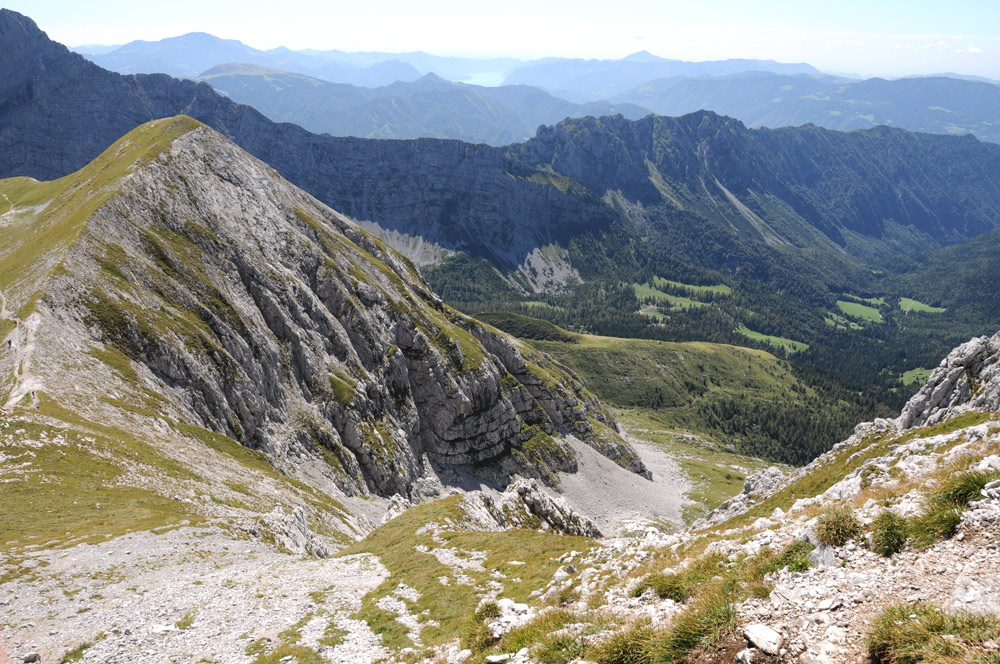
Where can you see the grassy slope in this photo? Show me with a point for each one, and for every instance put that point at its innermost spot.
(647, 292)
(781, 343)
(909, 304)
(860, 311)
(75, 489)
(915, 376)
(452, 604)
(673, 378)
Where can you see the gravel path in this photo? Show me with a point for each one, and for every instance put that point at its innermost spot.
(182, 596)
(616, 499)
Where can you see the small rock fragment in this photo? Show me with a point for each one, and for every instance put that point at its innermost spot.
(763, 637)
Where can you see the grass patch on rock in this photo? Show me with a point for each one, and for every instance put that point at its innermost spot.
(889, 534)
(944, 506)
(837, 526)
(916, 633)
(451, 603)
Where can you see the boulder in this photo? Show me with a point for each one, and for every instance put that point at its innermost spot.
(524, 504)
(823, 556)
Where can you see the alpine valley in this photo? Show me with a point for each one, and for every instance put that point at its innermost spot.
(581, 392)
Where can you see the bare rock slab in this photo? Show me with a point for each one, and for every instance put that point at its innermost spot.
(975, 594)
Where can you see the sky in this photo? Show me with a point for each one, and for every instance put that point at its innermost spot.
(867, 37)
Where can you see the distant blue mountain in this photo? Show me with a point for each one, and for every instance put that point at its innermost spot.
(589, 80)
(933, 104)
(189, 55)
(429, 107)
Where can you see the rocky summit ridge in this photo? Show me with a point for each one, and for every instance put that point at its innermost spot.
(177, 284)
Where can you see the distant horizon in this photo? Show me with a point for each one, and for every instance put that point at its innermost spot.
(80, 47)
(893, 39)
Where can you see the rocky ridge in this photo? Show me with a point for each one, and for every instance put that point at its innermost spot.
(188, 282)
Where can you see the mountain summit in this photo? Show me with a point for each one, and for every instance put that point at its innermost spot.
(179, 278)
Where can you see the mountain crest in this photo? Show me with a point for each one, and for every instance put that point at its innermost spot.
(219, 295)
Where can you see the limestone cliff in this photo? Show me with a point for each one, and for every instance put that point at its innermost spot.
(183, 279)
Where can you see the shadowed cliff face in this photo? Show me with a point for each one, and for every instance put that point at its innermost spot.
(858, 182)
(239, 303)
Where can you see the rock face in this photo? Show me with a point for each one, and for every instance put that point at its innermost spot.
(291, 533)
(755, 487)
(965, 380)
(249, 308)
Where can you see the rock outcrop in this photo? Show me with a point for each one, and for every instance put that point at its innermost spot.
(290, 532)
(965, 380)
(755, 487)
(524, 504)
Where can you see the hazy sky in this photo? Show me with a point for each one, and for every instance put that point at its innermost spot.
(860, 36)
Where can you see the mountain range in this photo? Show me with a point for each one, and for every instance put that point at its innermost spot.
(589, 80)
(933, 104)
(191, 54)
(580, 223)
(757, 92)
(430, 107)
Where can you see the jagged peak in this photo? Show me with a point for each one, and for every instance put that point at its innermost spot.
(9, 18)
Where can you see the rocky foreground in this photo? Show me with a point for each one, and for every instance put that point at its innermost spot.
(809, 569)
